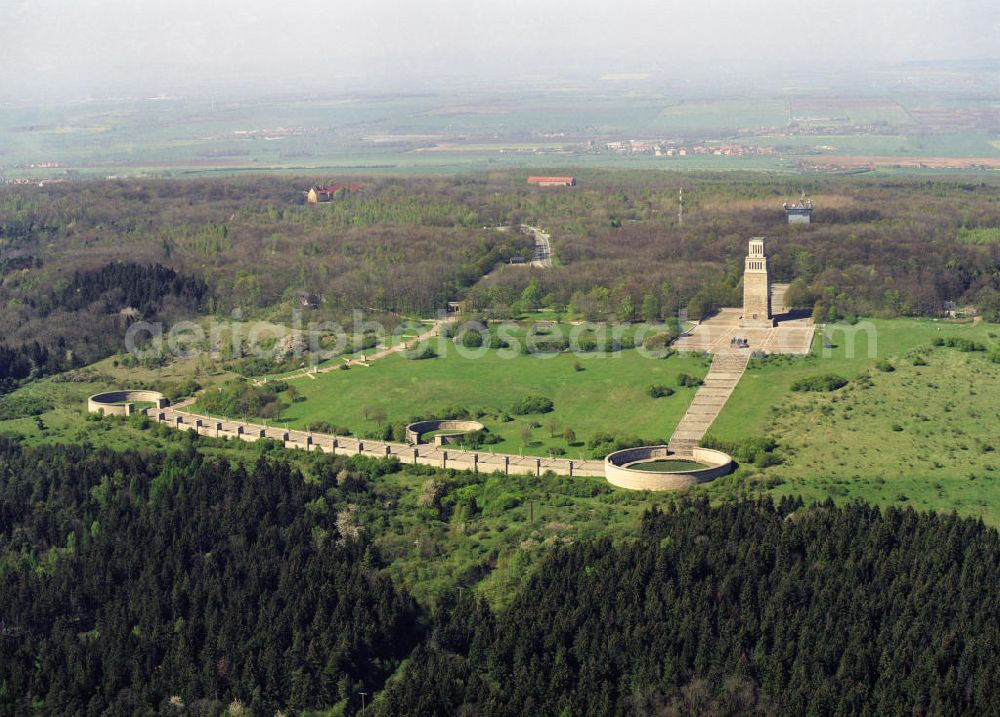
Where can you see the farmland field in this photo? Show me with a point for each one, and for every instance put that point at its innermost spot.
(721, 115)
(171, 136)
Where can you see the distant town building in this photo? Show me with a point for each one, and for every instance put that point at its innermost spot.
(326, 193)
(799, 213)
(552, 181)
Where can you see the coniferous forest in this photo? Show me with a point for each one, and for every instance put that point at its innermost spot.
(128, 579)
(144, 582)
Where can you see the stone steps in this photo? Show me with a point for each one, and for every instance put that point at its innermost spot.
(723, 376)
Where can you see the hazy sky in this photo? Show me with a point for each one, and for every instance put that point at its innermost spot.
(86, 47)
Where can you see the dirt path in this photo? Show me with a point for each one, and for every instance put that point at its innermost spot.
(366, 360)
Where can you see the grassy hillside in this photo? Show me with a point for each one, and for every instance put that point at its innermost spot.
(607, 395)
(922, 433)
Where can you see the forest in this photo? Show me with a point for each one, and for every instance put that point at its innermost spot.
(145, 580)
(84, 319)
(173, 582)
(80, 260)
(744, 608)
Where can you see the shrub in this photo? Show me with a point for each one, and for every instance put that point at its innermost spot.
(453, 413)
(764, 459)
(15, 406)
(884, 366)
(177, 391)
(688, 381)
(271, 410)
(379, 433)
(371, 467)
(239, 398)
(543, 344)
(495, 342)
(475, 439)
(659, 343)
(826, 382)
(327, 427)
(532, 404)
(658, 390)
(368, 341)
(471, 339)
(253, 366)
(958, 342)
(601, 444)
(420, 354)
(747, 450)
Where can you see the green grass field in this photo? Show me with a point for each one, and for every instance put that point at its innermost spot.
(607, 395)
(853, 349)
(923, 434)
(727, 115)
(920, 435)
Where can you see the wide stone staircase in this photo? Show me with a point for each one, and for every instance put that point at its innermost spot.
(726, 370)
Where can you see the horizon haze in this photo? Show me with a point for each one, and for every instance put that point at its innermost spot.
(112, 48)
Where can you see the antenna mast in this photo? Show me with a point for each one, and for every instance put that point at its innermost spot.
(680, 207)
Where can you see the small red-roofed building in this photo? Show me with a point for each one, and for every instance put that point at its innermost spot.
(552, 181)
(326, 193)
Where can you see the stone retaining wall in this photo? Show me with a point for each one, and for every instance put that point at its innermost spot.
(122, 403)
(616, 472)
(612, 468)
(417, 429)
(425, 454)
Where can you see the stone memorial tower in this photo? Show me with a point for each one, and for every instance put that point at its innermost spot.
(756, 288)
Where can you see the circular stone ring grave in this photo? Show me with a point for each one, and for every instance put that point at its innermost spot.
(122, 403)
(446, 432)
(648, 467)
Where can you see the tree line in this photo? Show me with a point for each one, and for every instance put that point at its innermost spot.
(84, 318)
(887, 246)
(143, 582)
(744, 608)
